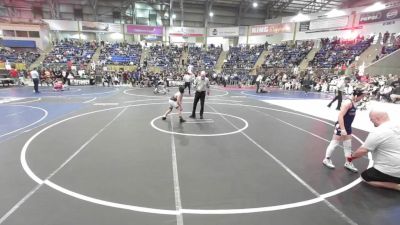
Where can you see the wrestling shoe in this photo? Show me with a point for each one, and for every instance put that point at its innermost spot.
(350, 166)
(328, 163)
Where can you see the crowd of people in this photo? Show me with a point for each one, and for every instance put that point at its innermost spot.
(19, 55)
(72, 51)
(241, 60)
(164, 56)
(286, 55)
(338, 51)
(390, 43)
(204, 59)
(281, 65)
(120, 54)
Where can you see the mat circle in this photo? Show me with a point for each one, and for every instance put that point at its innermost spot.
(246, 124)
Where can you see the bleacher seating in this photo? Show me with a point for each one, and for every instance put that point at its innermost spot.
(70, 50)
(19, 55)
(121, 54)
(202, 59)
(287, 56)
(164, 56)
(392, 46)
(337, 52)
(240, 60)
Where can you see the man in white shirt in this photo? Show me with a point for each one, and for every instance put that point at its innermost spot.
(190, 69)
(384, 144)
(35, 79)
(201, 85)
(187, 79)
(93, 66)
(258, 82)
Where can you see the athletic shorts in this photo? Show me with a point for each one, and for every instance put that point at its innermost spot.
(338, 130)
(373, 174)
(172, 104)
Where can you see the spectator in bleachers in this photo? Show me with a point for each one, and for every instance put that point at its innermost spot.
(19, 55)
(202, 59)
(340, 52)
(285, 55)
(71, 51)
(240, 61)
(165, 57)
(386, 37)
(121, 54)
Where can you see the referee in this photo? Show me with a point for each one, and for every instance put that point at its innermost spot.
(201, 85)
(187, 78)
(341, 85)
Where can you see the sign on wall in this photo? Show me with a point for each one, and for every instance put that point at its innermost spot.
(268, 29)
(139, 29)
(62, 25)
(328, 23)
(223, 31)
(304, 26)
(379, 16)
(100, 27)
(186, 31)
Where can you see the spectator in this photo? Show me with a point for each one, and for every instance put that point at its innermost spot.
(395, 96)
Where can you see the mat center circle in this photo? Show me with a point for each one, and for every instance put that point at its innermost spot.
(223, 116)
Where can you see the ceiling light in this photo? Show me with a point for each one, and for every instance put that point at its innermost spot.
(255, 4)
(300, 18)
(211, 14)
(173, 16)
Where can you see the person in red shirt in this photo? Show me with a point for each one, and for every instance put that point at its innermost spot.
(14, 75)
(69, 64)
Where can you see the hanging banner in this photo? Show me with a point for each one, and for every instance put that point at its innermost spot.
(62, 25)
(223, 32)
(379, 16)
(139, 29)
(268, 29)
(328, 23)
(100, 27)
(186, 31)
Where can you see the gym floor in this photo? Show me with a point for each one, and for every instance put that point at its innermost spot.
(98, 155)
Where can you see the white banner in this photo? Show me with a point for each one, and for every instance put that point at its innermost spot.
(223, 32)
(62, 25)
(337, 22)
(186, 31)
(100, 27)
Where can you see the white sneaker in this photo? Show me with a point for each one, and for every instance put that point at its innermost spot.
(328, 163)
(350, 166)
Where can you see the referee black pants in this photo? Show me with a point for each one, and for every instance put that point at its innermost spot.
(36, 84)
(339, 98)
(187, 84)
(200, 95)
(258, 86)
